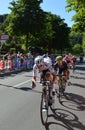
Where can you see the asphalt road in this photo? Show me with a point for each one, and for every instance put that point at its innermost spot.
(20, 105)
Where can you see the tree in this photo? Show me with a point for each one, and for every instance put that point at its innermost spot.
(2, 25)
(26, 18)
(55, 34)
(83, 43)
(79, 18)
(77, 49)
(61, 33)
(46, 35)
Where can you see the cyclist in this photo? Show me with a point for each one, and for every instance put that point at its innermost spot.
(74, 60)
(44, 66)
(68, 60)
(61, 67)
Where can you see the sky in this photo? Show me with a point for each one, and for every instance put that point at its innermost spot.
(54, 6)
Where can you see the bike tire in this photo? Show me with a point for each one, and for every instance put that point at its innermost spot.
(60, 91)
(43, 110)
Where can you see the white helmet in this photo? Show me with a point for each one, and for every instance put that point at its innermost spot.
(38, 60)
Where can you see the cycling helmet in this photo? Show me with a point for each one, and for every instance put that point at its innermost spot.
(38, 60)
(58, 58)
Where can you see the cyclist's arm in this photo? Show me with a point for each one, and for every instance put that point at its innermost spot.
(35, 71)
(55, 66)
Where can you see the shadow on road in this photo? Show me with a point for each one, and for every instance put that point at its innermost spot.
(29, 89)
(78, 85)
(80, 68)
(77, 77)
(73, 101)
(64, 119)
(14, 73)
(80, 73)
(23, 88)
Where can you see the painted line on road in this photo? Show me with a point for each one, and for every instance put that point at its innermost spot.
(22, 83)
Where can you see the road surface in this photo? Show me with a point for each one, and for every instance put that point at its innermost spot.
(20, 105)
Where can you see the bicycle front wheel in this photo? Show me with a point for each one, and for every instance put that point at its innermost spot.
(44, 109)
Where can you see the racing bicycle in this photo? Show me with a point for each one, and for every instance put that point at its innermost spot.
(62, 85)
(47, 101)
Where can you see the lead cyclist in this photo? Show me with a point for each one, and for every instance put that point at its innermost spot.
(43, 65)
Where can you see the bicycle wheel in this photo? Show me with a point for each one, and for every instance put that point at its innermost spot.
(60, 87)
(44, 109)
(63, 85)
(52, 106)
(60, 91)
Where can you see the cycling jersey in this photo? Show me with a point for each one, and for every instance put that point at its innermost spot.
(74, 59)
(47, 66)
(67, 59)
(59, 69)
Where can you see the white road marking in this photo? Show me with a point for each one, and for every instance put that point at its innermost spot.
(22, 83)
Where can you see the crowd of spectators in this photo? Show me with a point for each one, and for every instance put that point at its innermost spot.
(16, 60)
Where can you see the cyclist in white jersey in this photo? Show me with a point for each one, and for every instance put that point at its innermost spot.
(44, 66)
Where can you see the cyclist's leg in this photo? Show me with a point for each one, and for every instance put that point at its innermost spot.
(51, 77)
(59, 86)
(74, 66)
(65, 73)
(65, 78)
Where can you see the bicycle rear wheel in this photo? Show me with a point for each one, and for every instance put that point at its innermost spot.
(44, 109)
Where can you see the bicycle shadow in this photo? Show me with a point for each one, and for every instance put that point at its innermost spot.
(73, 102)
(80, 68)
(29, 89)
(77, 77)
(65, 119)
(77, 85)
(22, 88)
(80, 73)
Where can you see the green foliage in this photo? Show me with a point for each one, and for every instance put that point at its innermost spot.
(79, 18)
(77, 49)
(26, 17)
(61, 33)
(29, 26)
(75, 38)
(83, 44)
(12, 50)
(55, 35)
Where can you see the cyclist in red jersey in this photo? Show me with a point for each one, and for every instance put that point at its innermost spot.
(73, 62)
(68, 60)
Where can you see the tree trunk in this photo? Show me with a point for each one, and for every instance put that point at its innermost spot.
(27, 42)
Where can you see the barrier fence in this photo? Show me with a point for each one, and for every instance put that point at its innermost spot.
(16, 64)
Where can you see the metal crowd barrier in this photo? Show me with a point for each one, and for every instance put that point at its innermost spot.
(15, 64)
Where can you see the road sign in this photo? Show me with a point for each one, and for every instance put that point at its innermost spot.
(4, 37)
